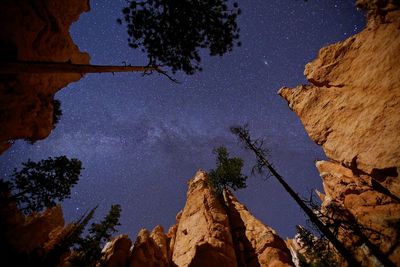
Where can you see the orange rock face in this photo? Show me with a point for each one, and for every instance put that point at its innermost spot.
(150, 249)
(352, 109)
(257, 244)
(376, 209)
(203, 236)
(35, 31)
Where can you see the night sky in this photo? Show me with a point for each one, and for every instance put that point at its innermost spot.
(141, 138)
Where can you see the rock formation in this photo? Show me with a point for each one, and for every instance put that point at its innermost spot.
(23, 239)
(35, 31)
(116, 252)
(150, 249)
(209, 232)
(352, 109)
(352, 106)
(375, 208)
(257, 244)
(203, 234)
(25, 233)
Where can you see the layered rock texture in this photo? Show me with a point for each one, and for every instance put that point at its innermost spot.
(210, 231)
(35, 31)
(352, 109)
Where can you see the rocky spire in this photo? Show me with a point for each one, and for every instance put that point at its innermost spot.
(209, 232)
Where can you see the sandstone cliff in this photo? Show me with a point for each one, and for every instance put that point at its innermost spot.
(209, 232)
(35, 31)
(352, 109)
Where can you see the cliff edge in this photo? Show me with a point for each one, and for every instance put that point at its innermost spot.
(352, 109)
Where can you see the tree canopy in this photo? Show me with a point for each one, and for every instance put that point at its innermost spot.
(172, 32)
(228, 173)
(41, 184)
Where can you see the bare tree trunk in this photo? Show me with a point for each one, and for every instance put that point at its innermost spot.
(244, 136)
(19, 67)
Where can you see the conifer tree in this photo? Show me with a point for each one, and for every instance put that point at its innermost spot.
(172, 32)
(43, 184)
(89, 248)
(228, 172)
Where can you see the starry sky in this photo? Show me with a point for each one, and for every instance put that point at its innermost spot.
(141, 138)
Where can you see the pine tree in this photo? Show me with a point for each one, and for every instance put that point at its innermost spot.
(53, 257)
(172, 32)
(43, 184)
(88, 249)
(228, 172)
(317, 251)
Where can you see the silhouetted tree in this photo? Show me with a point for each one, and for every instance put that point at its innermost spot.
(57, 112)
(316, 251)
(228, 172)
(53, 257)
(262, 163)
(88, 249)
(41, 184)
(172, 32)
(343, 223)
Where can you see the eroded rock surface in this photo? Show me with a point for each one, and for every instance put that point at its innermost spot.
(35, 31)
(257, 244)
(116, 253)
(373, 206)
(352, 107)
(150, 249)
(203, 235)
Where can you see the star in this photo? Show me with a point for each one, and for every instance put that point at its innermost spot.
(141, 138)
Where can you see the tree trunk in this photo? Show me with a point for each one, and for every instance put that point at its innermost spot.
(314, 219)
(19, 67)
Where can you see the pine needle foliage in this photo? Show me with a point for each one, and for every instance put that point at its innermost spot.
(172, 32)
(317, 251)
(88, 249)
(43, 184)
(228, 173)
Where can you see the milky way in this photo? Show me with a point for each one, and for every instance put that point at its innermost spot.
(141, 138)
